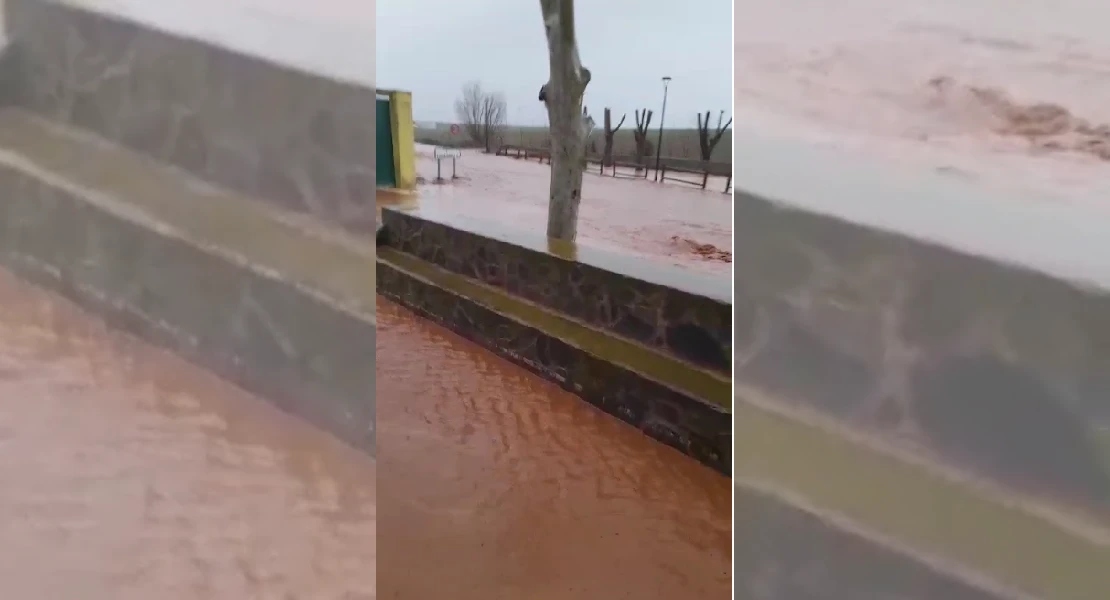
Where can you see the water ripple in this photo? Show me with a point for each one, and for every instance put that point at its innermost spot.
(130, 474)
(498, 484)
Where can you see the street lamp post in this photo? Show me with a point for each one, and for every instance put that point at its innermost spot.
(662, 115)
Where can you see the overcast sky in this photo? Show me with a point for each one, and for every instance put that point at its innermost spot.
(433, 47)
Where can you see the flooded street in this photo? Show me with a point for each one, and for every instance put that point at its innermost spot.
(1008, 94)
(130, 474)
(499, 485)
(667, 224)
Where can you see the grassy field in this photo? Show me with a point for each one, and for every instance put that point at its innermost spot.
(678, 143)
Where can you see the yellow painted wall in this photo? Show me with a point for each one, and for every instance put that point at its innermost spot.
(404, 139)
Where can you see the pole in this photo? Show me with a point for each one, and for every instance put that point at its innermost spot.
(662, 115)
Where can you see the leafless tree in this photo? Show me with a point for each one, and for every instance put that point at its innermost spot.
(707, 141)
(483, 115)
(610, 131)
(643, 144)
(563, 96)
(588, 124)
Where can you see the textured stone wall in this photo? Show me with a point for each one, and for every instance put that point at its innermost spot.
(1000, 372)
(696, 328)
(303, 141)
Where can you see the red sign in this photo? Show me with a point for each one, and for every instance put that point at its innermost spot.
(454, 130)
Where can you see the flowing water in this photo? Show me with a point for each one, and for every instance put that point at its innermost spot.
(1009, 94)
(497, 484)
(130, 474)
(669, 224)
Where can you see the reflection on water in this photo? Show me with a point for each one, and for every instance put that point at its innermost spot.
(128, 473)
(500, 485)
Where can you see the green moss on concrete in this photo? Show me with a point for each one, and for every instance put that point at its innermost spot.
(918, 509)
(321, 258)
(669, 371)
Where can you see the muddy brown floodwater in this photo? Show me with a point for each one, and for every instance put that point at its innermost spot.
(499, 485)
(129, 474)
(664, 224)
(1009, 95)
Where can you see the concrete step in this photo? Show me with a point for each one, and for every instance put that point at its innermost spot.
(840, 491)
(783, 550)
(274, 301)
(313, 254)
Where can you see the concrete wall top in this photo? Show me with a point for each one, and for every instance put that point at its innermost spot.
(333, 38)
(667, 276)
(1067, 240)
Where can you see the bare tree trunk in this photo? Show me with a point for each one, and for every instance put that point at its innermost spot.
(610, 132)
(563, 97)
(643, 144)
(708, 142)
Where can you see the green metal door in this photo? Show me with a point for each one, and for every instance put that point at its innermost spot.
(386, 171)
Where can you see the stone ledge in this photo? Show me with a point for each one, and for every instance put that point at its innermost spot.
(917, 511)
(305, 347)
(309, 253)
(785, 552)
(666, 308)
(676, 418)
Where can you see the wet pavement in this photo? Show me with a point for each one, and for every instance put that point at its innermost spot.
(130, 474)
(498, 484)
(666, 224)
